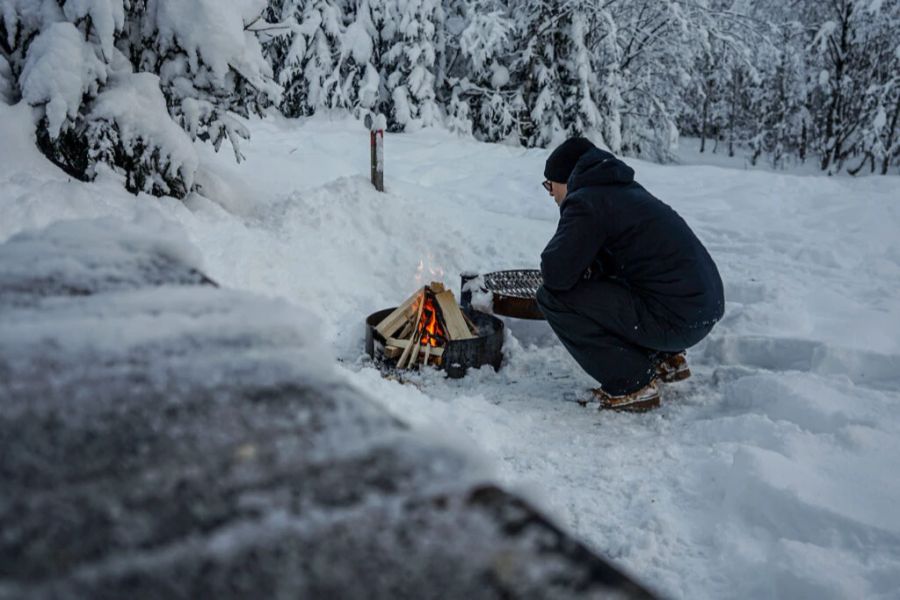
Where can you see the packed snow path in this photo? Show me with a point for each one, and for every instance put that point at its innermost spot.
(770, 473)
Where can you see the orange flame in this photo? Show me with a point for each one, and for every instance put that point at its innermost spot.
(430, 330)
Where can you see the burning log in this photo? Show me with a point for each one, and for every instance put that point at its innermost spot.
(453, 316)
(420, 328)
(421, 297)
(399, 317)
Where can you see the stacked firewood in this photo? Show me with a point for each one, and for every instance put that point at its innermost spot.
(419, 330)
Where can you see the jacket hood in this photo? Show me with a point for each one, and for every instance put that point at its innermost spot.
(599, 167)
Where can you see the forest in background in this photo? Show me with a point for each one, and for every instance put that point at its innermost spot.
(781, 80)
(132, 83)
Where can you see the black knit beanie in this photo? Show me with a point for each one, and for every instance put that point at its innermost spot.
(562, 161)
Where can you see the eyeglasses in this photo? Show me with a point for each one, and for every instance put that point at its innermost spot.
(548, 185)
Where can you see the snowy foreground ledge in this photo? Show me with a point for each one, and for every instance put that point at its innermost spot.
(163, 437)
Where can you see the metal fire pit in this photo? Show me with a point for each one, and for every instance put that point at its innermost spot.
(459, 355)
(514, 292)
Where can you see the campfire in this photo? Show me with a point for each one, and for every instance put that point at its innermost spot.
(421, 328)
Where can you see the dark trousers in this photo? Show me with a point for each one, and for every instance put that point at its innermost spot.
(612, 333)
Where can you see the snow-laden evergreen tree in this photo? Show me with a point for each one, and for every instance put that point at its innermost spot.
(131, 84)
(539, 62)
(308, 55)
(208, 74)
(6, 77)
(848, 32)
(458, 118)
(483, 96)
(655, 59)
(408, 66)
(361, 50)
(725, 41)
(580, 111)
(555, 63)
(876, 143)
(780, 108)
(369, 36)
(762, 78)
(610, 81)
(881, 126)
(705, 116)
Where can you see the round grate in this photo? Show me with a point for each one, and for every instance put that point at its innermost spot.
(514, 292)
(520, 283)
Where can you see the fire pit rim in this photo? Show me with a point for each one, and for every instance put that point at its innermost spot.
(459, 355)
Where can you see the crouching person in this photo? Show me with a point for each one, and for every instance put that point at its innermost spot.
(627, 285)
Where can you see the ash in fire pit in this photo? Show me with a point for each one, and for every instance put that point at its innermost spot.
(429, 328)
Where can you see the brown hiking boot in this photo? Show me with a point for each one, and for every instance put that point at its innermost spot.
(672, 368)
(646, 398)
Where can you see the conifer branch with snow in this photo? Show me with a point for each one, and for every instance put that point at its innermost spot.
(131, 83)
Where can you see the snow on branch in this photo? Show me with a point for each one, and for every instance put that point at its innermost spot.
(131, 84)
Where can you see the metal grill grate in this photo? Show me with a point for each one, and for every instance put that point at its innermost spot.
(521, 283)
(514, 292)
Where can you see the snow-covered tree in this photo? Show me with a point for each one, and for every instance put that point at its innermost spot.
(6, 76)
(539, 64)
(763, 77)
(308, 52)
(361, 50)
(408, 66)
(208, 73)
(655, 57)
(725, 43)
(844, 50)
(610, 81)
(483, 95)
(876, 144)
(555, 61)
(132, 83)
(580, 86)
(780, 101)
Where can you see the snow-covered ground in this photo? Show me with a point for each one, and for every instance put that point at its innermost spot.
(771, 473)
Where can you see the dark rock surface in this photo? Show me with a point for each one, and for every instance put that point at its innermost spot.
(164, 438)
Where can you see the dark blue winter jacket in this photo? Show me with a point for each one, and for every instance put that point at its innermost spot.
(614, 227)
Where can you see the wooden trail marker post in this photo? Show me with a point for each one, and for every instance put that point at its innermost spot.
(376, 125)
